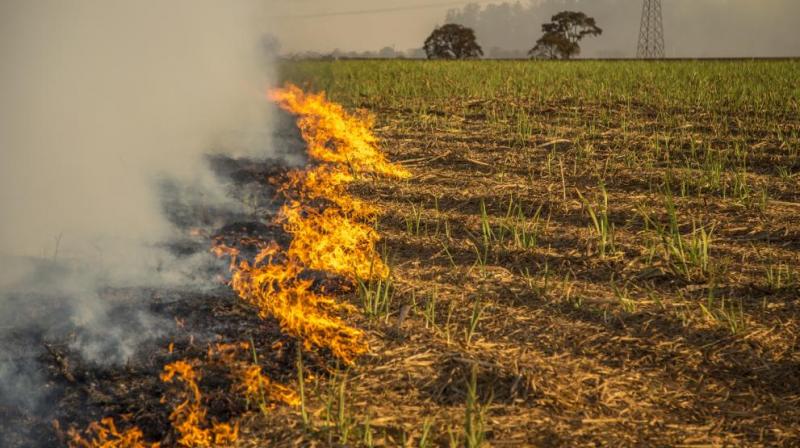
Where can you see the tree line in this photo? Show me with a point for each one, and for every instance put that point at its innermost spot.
(560, 39)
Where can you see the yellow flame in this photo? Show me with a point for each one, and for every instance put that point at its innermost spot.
(329, 241)
(333, 135)
(104, 434)
(189, 417)
(275, 288)
(335, 238)
(328, 183)
(249, 380)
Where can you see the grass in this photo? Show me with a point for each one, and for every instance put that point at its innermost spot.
(376, 296)
(477, 309)
(687, 255)
(262, 399)
(474, 418)
(678, 325)
(301, 387)
(414, 221)
(424, 87)
(601, 222)
(781, 277)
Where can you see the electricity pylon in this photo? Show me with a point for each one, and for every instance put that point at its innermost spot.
(651, 32)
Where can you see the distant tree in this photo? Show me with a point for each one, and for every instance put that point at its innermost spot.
(562, 35)
(337, 54)
(553, 46)
(503, 53)
(416, 53)
(387, 53)
(452, 41)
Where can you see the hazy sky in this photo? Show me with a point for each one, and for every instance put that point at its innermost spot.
(692, 27)
(100, 98)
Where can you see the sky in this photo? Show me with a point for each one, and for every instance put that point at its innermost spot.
(693, 28)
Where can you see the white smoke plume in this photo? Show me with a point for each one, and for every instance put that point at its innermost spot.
(100, 100)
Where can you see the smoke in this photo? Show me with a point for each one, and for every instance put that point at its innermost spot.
(101, 103)
(693, 28)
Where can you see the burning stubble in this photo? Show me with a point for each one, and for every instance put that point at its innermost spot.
(101, 103)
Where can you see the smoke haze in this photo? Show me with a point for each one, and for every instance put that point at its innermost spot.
(98, 98)
(693, 28)
(101, 101)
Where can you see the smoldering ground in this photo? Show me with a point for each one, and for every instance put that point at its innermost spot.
(108, 110)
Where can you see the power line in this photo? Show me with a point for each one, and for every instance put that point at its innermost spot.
(651, 31)
(379, 10)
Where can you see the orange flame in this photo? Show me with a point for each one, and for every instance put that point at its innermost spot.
(333, 135)
(249, 379)
(276, 289)
(336, 239)
(255, 386)
(189, 417)
(104, 434)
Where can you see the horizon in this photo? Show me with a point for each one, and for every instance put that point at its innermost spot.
(708, 29)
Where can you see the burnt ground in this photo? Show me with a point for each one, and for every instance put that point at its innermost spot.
(79, 392)
(57, 387)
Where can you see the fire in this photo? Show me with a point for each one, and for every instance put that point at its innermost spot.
(189, 417)
(333, 135)
(256, 386)
(249, 380)
(328, 183)
(275, 288)
(330, 241)
(335, 237)
(104, 434)
(331, 234)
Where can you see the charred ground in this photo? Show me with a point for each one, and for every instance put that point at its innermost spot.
(67, 391)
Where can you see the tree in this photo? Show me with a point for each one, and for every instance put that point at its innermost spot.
(387, 53)
(452, 41)
(562, 35)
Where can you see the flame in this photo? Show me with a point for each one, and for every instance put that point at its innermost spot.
(249, 380)
(255, 386)
(104, 434)
(326, 182)
(275, 288)
(333, 135)
(189, 417)
(330, 241)
(336, 238)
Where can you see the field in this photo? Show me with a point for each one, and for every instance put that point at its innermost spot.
(586, 253)
(458, 254)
